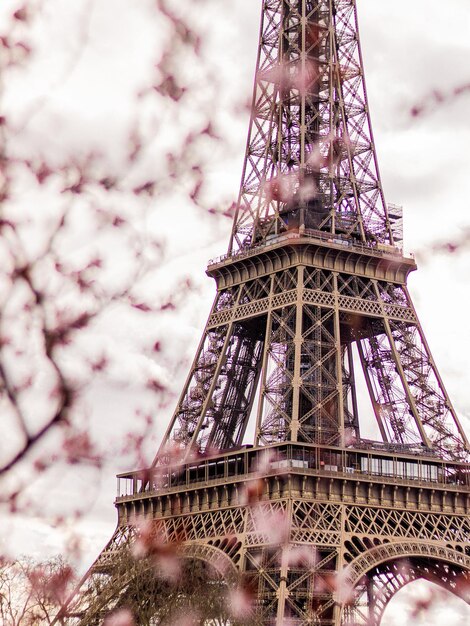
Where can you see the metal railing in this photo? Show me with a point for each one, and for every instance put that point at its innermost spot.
(335, 240)
(297, 458)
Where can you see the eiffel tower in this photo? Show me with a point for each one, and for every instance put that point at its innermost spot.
(311, 308)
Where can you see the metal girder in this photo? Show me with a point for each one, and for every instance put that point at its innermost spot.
(286, 341)
(291, 324)
(310, 297)
(310, 159)
(318, 546)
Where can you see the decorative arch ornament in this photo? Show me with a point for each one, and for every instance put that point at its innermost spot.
(403, 550)
(215, 557)
(380, 573)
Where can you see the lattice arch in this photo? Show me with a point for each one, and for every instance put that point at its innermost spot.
(92, 610)
(215, 557)
(382, 572)
(403, 550)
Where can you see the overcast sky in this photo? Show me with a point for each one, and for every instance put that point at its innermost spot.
(93, 55)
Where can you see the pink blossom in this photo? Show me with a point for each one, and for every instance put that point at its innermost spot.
(122, 617)
(241, 603)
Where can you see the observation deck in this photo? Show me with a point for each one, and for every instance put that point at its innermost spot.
(411, 468)
(316, 247)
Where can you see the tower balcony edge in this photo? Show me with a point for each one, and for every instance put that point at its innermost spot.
(322, 250)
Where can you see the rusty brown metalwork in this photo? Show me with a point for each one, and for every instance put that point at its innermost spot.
(311, 296)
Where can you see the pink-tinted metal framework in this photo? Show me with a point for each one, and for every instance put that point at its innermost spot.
(311, 297)
(310, 156)
(312, 293)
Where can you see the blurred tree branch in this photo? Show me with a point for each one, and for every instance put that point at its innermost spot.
(75, 237)
(33, 593)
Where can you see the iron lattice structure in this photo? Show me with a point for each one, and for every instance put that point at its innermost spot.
(310, 157)
(311, 297)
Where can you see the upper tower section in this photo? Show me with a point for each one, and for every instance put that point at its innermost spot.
(310, 162)
(312, 307)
